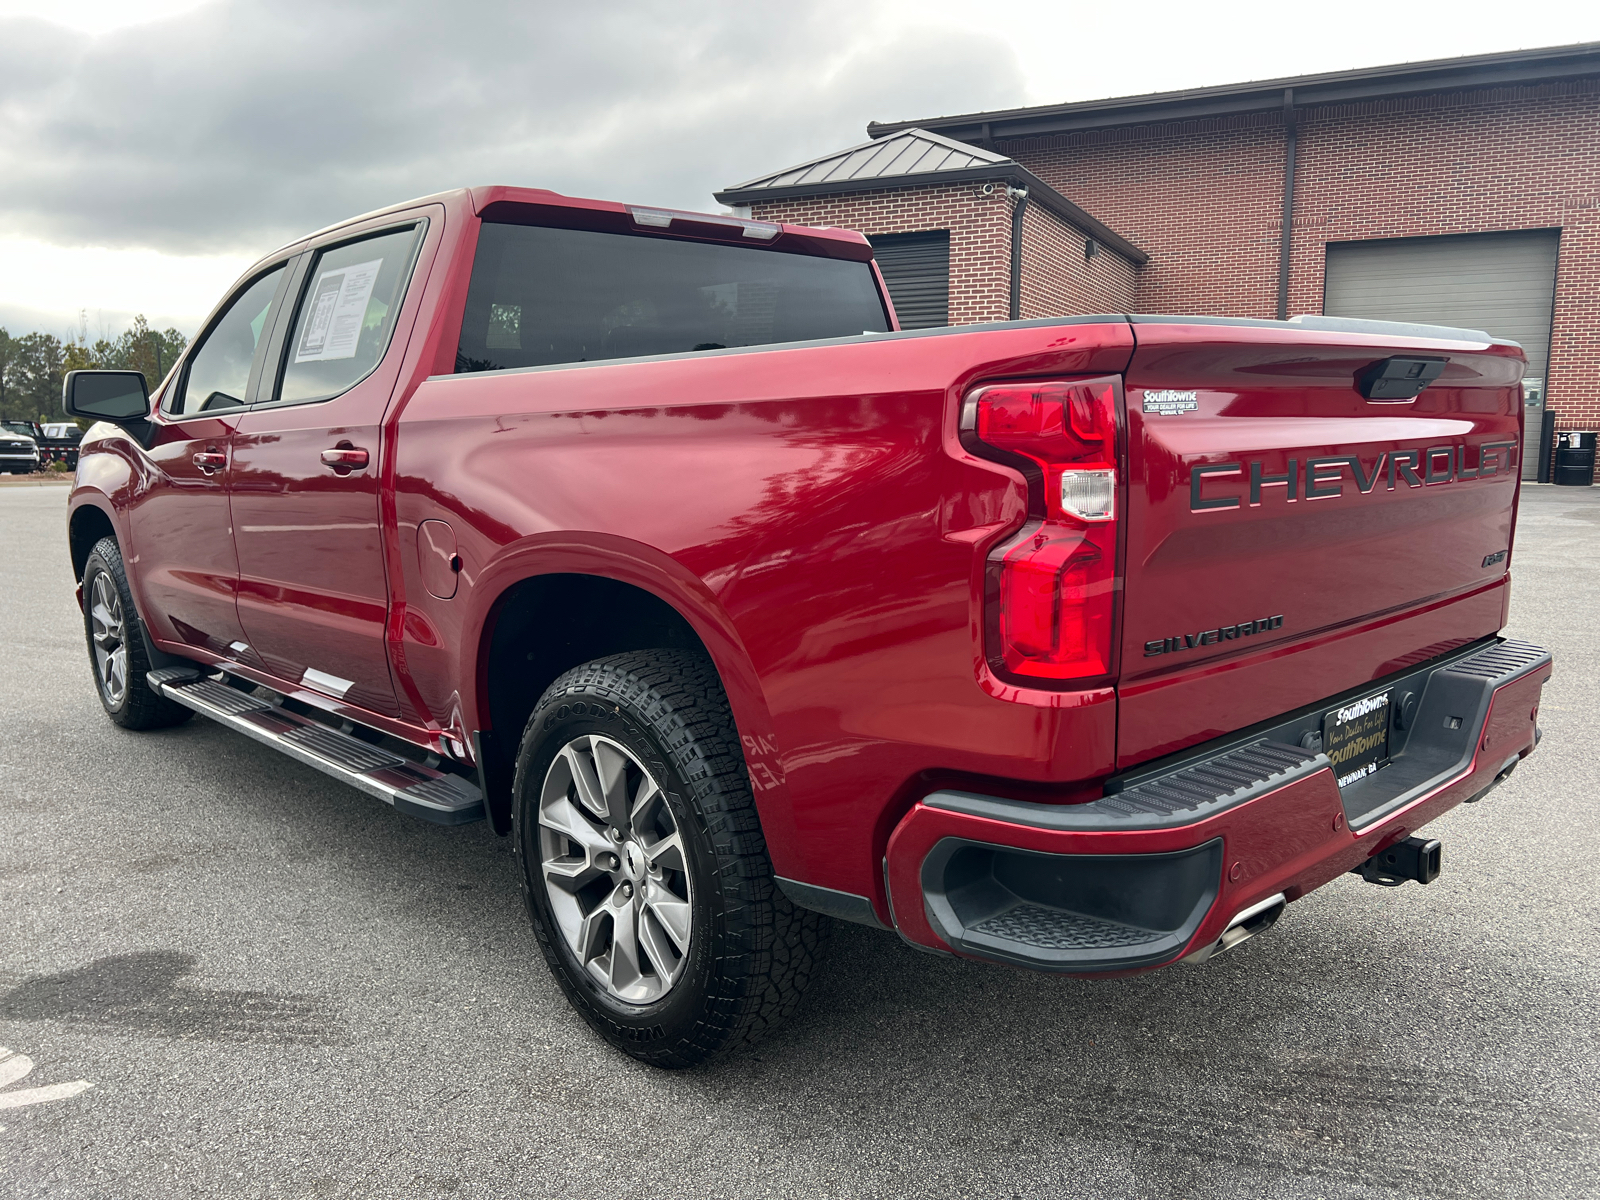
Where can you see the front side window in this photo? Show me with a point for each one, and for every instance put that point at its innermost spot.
(219, 370)
(347, 315)
(542, 296)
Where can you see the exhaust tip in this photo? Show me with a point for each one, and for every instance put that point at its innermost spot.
(1245, 925)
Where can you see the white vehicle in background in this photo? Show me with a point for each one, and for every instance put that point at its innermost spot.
(19, 451)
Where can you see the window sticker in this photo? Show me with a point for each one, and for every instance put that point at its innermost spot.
(505, 327)
(334, 312)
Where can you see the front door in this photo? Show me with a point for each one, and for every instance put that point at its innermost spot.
(313, 588)
(179, 523)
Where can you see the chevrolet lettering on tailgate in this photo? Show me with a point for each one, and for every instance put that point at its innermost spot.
(1324, 477)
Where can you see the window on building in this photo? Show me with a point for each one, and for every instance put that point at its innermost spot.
(916, 266)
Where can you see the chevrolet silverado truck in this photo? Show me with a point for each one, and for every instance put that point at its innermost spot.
(1083, 645)
(19, 447)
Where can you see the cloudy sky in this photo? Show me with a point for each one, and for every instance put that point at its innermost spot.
(150, 149)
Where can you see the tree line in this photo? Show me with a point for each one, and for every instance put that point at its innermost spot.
(33, 365)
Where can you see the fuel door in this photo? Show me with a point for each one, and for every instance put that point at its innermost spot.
(436, 553)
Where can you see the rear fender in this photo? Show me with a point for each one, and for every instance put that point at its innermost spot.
(636, 564)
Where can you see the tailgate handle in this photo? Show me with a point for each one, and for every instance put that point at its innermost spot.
(1399, 380)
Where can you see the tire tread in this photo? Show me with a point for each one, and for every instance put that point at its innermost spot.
(770, 947)
(143, 707)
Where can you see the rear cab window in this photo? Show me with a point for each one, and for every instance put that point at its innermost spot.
(542, 296)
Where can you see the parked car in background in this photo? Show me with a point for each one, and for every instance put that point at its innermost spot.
(56, 441)
(19, 448)
(1085, 645)
(60, 444)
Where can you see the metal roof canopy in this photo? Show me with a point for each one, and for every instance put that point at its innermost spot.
(914, 157)
(1506, 69)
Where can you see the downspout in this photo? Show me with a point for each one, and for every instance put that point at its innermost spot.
(1020, 196)
(1285, 243)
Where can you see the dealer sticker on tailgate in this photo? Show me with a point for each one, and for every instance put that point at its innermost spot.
(1356, 738)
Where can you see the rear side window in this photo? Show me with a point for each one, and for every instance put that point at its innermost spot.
(347, 315)
(219, 371)
(542, 296)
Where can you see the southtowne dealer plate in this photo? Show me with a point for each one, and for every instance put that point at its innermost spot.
(1356, 738)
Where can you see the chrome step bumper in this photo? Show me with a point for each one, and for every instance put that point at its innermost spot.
(410, 786)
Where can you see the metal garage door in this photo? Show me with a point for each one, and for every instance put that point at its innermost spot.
(1501, 282)
(916, 266)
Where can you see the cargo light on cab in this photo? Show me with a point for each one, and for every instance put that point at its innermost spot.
(1052, 587)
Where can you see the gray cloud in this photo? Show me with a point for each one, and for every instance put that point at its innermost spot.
(244, 124)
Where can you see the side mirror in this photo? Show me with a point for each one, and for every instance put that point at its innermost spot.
(120, 397)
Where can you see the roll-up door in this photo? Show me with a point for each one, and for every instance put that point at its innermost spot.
(916, 266)
(1500, 282)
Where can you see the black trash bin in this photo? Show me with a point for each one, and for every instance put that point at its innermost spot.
(1575, 459)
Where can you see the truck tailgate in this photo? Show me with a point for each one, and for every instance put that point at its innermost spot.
(1289, 538)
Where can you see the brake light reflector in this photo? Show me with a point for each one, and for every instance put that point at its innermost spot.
(1053, 586)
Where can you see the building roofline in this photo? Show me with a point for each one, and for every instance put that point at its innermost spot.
(1003, 171)
(966, 149)
(1504, 69)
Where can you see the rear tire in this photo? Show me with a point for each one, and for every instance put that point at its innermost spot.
(635, 828)
(117, 653)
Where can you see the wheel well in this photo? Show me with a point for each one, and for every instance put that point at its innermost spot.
(89, 525)
(551, 623)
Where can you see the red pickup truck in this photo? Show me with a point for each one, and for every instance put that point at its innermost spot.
(1081, 644)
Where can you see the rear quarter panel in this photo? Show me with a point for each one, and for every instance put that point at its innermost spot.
(809, 510)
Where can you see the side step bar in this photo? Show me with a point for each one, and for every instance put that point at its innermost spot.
(411, 787)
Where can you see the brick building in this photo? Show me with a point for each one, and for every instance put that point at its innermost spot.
(1462, 192)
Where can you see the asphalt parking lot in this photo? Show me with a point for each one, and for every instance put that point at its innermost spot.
(278, 987)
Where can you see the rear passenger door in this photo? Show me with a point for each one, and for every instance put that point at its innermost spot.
(308, 461)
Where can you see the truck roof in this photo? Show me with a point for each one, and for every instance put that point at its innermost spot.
(501, 200)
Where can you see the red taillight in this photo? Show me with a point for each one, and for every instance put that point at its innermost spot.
(1054, 584)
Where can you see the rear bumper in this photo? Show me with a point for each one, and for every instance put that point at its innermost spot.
(1164, 865)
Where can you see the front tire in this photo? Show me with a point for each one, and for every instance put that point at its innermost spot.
(644, 869)
(117, 647)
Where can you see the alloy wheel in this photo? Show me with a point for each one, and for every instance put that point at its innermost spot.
(107, 633)
(614, 869)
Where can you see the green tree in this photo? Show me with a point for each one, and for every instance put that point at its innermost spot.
(7, 352)
(141, 348)
(36, 371)
(33, 366)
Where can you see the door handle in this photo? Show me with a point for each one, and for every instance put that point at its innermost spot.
(344, 459)
(210, 460)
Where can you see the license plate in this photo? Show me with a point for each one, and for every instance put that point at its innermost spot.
(1356, 738)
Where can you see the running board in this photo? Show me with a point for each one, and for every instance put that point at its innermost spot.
(411, 787)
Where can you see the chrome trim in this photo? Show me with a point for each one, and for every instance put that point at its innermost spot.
(1236, 932)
